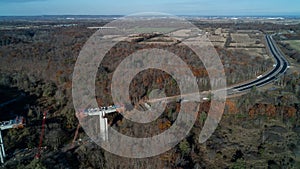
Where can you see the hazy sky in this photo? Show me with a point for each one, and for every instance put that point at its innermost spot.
(124, 7)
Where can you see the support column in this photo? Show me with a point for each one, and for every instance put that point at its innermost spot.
(100, 128)
(2, 152)
(103, 126)
(106, 129)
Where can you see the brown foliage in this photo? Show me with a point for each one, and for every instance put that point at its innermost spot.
(231, 106)
(271, 110)
(164, 125)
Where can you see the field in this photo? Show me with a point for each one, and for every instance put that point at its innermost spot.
(295, 44)
(37, 61)
(243, 40)
(152, 29)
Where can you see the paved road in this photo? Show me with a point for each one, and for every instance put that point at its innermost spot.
(281, 66)
(279, 69)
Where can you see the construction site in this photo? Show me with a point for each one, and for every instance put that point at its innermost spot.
(40, 128)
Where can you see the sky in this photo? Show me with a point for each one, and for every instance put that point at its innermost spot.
(125, 7)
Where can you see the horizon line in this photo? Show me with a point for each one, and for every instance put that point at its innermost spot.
(189, 15)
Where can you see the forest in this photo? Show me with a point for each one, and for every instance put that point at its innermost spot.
(259, 128)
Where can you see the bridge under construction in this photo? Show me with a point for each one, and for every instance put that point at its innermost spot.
(18, 122)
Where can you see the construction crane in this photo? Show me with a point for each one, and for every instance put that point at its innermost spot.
(38, 154)
(18, 122)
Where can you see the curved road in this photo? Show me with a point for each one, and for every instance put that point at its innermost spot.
(280, 68)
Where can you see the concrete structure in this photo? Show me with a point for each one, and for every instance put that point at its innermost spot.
(4, 125)
(101, 112)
